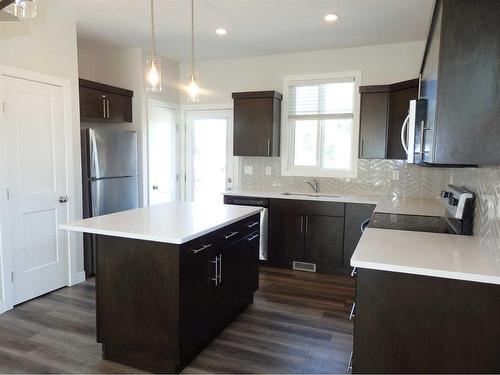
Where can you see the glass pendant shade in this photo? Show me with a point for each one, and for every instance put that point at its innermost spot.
(153, 73)
(193, 88)
(23, 9)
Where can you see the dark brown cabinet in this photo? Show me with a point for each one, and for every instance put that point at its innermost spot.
(306, 231)
(383, 111)
(257, 121)
(408, 323)
(460, 77)
(104, 103)
(158, 304)
(355, 215)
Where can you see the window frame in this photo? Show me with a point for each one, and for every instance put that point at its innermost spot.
(288, 131)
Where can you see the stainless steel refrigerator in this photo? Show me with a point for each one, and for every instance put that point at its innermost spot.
(110, 180)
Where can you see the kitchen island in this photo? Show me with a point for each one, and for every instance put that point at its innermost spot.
(170, 277)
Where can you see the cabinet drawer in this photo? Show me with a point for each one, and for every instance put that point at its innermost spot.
(306, 207)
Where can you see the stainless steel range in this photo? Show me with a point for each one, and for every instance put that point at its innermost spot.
(458, 218)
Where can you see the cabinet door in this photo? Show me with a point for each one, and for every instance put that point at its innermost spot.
(253, 125)
(197, 272)
(119, 107)
(92, 104)
(355, 215)
(373, 125)
(249, 265)
(324, 240)
(286, 232)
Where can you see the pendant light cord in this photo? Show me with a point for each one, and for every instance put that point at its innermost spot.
(153, 28)
(192, 36)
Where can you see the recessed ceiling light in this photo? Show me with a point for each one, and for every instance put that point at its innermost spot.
(221, 31)
(331, 17)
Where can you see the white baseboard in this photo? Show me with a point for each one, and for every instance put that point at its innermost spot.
(77, 278)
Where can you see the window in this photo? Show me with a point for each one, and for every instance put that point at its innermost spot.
(320, 125)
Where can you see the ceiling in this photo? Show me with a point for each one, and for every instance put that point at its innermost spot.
(255, 27)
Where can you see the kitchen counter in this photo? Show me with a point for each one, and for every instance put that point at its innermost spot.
(429, 254)
(170, 278)
(392, 205)
(174, 222)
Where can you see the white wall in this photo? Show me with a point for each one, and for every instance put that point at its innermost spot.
(47, 45)
(126, 68)
(378, 65)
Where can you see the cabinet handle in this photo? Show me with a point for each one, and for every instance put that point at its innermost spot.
(251, 225)
(268, 146)
(216, 278)
(203, 247)
(104, 106)
(307, 224)
(301, 225)
(354, 272)
(227, 236)
(422, 124)
(352, 314)
(220, 269)
(250, 239)
(107, 107)
(349, 365)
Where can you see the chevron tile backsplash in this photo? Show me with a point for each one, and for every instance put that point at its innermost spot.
(395, 178)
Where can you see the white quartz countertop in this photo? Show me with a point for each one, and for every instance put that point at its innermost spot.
(429, 254)
(392, 205)
(174, 222)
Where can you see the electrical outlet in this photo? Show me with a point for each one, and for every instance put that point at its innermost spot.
(249, 169)
(395, 175)
(269, 171)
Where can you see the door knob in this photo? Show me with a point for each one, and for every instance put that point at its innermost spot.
(63, 199)
(155, 187)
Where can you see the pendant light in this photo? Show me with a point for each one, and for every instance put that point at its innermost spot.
(153, 62)
(193, 88)
(23, 9)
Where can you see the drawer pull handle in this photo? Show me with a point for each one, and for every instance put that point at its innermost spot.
(354, 272)
(352, 314)
(349, 365)
(203, 247)
(227, 236)
(216, 278)
(251, 225)
(250, 239)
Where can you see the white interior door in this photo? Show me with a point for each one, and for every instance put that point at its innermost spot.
(209, 154)
(162, 152)
(35, 173)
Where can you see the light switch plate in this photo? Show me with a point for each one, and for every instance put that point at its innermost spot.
(249, 169)
(269, 171)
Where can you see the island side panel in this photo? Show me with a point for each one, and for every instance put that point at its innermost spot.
(137, 292)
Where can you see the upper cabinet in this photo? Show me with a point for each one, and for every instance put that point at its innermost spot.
(104, 103)
(460, 77)
(383, 111)
(257, 118)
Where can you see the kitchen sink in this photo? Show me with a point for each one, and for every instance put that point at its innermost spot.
(316, 195)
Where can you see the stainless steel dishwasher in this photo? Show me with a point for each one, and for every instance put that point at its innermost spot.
(254, 202)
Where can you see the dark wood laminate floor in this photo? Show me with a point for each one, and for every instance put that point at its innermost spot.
(297, 324)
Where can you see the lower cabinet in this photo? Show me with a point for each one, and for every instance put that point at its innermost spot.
(219, 275)
(420, 324)
(306, 231)
(321, 233)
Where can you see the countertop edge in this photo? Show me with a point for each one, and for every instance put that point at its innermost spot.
(174, 240)
(426, 272)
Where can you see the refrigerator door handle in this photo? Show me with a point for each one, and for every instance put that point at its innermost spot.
(94, 155)
(94, 193)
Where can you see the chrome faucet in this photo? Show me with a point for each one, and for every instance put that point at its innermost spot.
(314, 185)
